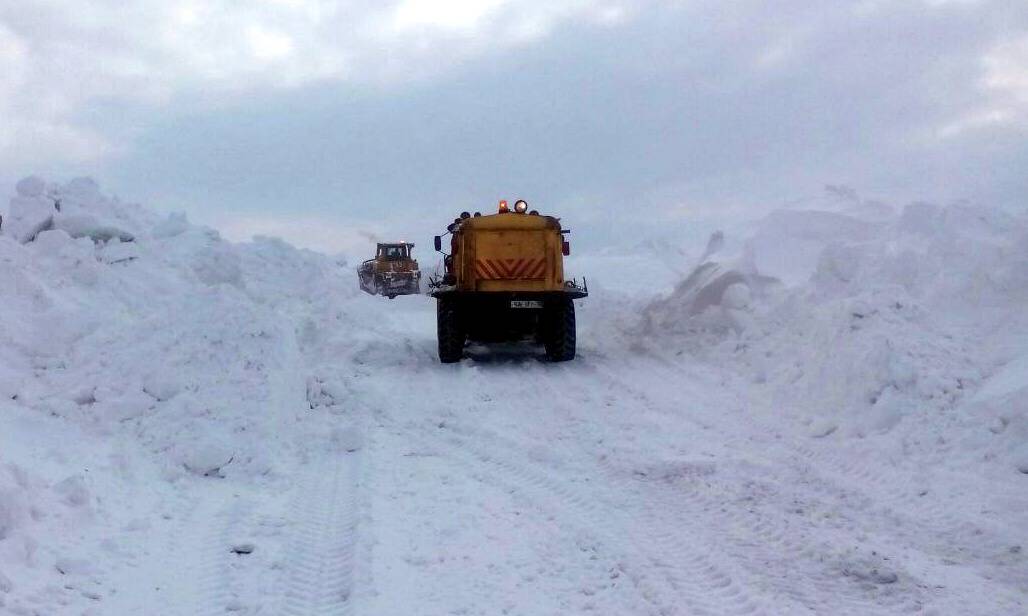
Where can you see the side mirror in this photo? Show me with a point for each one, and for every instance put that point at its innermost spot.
(565, 247)
(438, 243)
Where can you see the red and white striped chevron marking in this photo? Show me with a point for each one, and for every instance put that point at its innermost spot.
(510, 269)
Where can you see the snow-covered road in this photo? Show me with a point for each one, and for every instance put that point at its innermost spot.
(194, 427)
(630, 484)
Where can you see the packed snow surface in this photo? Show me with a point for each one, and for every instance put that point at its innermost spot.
(827, 414)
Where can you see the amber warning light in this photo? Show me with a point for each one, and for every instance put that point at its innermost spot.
(503, 206)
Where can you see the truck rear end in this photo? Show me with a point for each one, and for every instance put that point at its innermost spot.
(504, 282)
(511, 254)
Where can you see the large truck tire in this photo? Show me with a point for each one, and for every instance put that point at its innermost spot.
(449, 331)
(560, 330)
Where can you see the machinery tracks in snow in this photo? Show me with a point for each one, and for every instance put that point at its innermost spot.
(672, 573)
(320, 563)
(802, 518)
(239, 552)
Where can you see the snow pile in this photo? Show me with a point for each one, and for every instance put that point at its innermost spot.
(853, 321)
(714, 297)
(151, 336)
(77, 208)
(183, 337)
(1002, 404)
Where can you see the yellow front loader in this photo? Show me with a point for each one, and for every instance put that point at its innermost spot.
(392, 272)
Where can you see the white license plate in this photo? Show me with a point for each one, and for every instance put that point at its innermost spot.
(525, 303)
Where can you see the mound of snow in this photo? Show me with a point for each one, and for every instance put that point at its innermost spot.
(715, 296)
(159, 352)
(1002, 403)
(789, 243)
(853, 323)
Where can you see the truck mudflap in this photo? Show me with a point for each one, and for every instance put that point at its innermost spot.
(572, 290)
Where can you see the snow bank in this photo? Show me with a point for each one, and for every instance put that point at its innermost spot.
(1002, 404)
(157, 350)
(852, 321)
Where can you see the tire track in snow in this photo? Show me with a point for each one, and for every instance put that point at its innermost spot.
(855, 470)
(900, 504)
(764, 545)
(220, 581)
(837, 480)
(755, 537)
(319, 568)
(674, 577)
(172, 574)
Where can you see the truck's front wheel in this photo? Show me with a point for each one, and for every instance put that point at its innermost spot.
(559, 337)
(449, 330)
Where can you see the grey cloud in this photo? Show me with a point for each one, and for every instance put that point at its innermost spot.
(710, 107)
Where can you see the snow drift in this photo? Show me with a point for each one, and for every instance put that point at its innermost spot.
(134, 346)
(856, 320)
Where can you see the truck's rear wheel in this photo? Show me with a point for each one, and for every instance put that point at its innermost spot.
(450, 331)
(559, 337)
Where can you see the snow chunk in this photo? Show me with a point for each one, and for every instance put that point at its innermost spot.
(77, 207)
(31, 186)
(87, 225)
(736, 296)
(28, 217)
(207, 455)
(162, 387)
(83, 189)
(175, 224)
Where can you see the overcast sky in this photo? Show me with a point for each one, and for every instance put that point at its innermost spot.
(330, 122)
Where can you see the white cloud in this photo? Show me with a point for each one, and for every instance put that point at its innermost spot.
(1004, 87)
(651, 92)
(34, 122)
(446, 14)
(57, 58)
(1006, 70)
(268, 44)
(321, 234)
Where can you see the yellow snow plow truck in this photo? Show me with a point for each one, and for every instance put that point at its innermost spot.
(504, 280)
(392, 272)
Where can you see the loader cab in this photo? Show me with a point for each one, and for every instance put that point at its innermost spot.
(394, 252)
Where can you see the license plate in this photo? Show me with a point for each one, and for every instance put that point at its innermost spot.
(525, 303)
